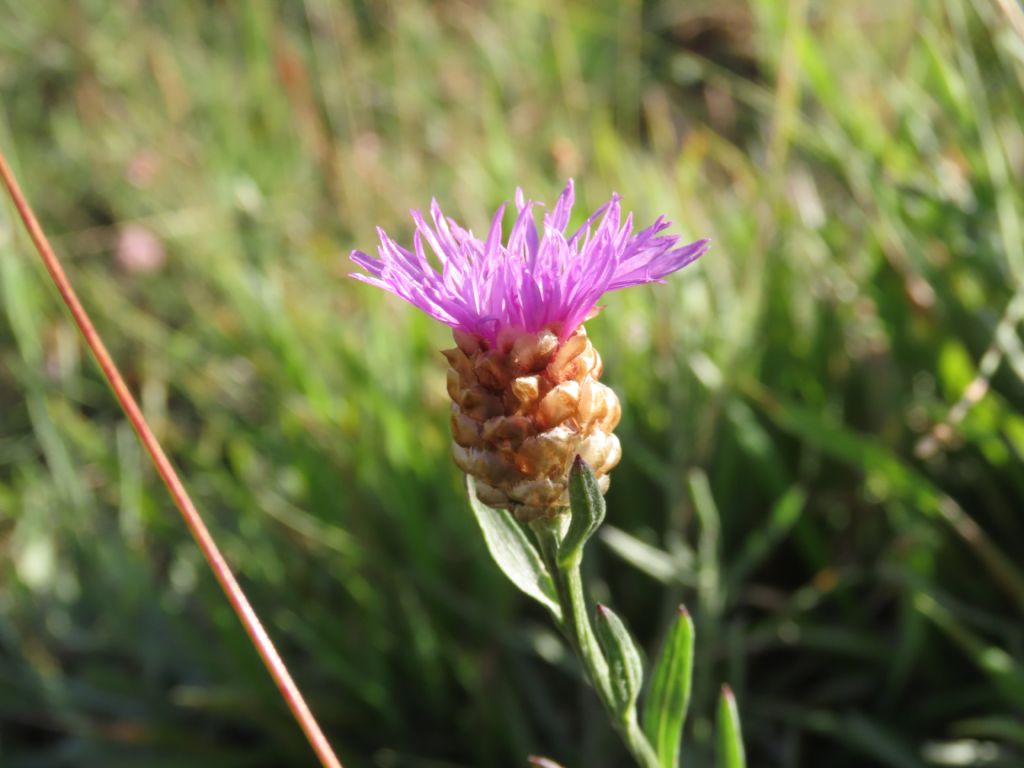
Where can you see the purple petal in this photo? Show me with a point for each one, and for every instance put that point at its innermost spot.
(532, 282)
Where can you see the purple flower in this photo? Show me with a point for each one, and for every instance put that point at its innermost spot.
(531, 282)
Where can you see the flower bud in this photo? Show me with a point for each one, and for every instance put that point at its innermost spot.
(522, 409)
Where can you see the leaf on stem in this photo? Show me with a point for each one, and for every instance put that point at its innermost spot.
(514, 554)
(730, 737)
(625, 667)
(669, 696)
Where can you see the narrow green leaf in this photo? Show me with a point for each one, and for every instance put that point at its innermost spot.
(760, 542)
(889, 476)
(675, 568)
(1003, 669)
(587, 512)
(625, 666)
(730, 737)
(863, 736)
(669, 696)
(514, 554)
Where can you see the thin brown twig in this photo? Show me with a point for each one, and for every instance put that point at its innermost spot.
(257, 634)
(943, 433)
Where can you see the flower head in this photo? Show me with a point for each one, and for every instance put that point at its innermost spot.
(524, 378)
(532, 281)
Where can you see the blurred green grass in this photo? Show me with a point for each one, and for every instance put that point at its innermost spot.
(801, 465)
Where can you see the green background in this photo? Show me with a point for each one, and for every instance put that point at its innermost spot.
(822, 431)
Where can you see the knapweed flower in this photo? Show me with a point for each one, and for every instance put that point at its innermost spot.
(523, 376)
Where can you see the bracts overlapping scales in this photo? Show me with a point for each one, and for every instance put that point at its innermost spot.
(523, 410)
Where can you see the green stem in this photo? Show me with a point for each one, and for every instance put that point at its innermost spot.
(637, 742)
(577, 628)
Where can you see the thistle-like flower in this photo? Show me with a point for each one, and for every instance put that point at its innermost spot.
(523, 376)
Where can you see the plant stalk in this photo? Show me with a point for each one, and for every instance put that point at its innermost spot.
(578, 630)
(221, 570)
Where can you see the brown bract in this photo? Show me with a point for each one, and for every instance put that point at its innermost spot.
(523, 410)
